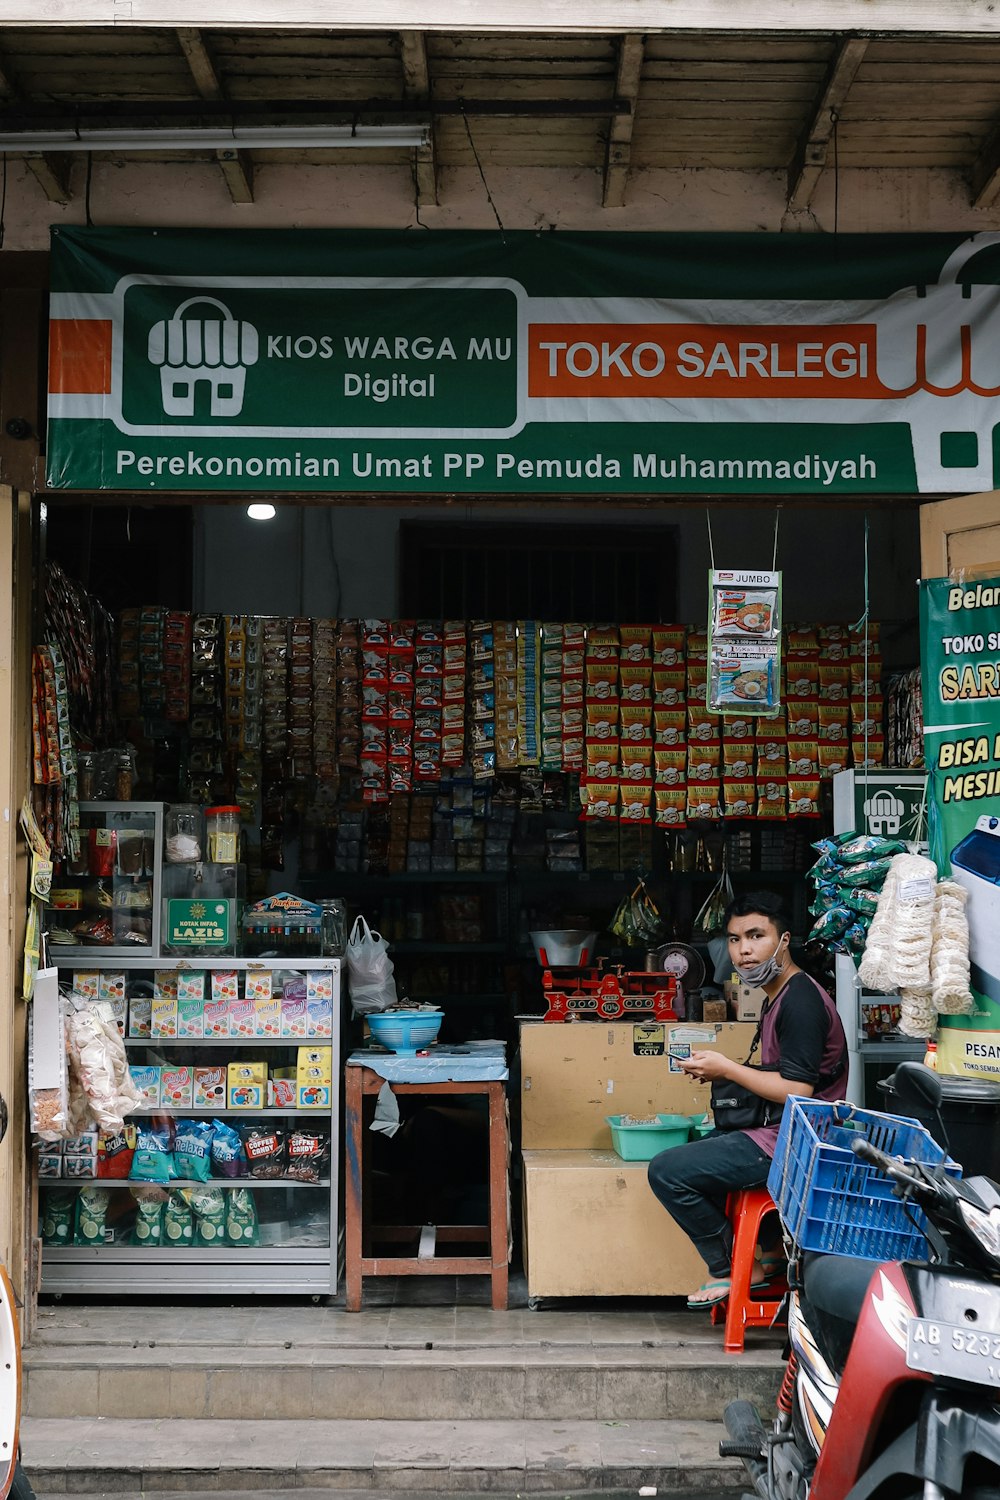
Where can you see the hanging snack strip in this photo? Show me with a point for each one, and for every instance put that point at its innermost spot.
(505, 693)
(528, 685)
(550, 659)
(399, 706)
(635, 677)
(905, 720)
(85, 633)
(453, 694)
(601, 716)
(348, 695)
(69, 841)
(324, 688)
(204, 759)
(177, 665)
(129, 706)
(249, 760)
(574, 642)
(300, 699)
(235, 679)
(375, 638)
(274, 738)
(670, 698)
(807, 759)
(428, 682)
(46, 762)
(482, 701)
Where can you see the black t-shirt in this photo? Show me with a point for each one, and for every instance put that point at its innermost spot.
(802, 1037)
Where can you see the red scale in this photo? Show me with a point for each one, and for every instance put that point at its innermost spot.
(605, 995)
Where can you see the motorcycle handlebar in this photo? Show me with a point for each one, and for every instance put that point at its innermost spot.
(903, 1172)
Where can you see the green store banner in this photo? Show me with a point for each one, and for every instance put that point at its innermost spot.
(471, 363)
(960, 657)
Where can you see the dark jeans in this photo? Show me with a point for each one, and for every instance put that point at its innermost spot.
(692, 1182)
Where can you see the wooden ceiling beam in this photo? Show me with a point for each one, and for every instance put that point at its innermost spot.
(51, 171)
(236, 166)
(417, 91)
(618, 160)
(984, 178)
(814, 143)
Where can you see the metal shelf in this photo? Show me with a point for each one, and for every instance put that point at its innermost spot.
(905, 1049)
(179, 1182)
(246, 1114)
(294, 1269)
(235, 1041)
(171, 961)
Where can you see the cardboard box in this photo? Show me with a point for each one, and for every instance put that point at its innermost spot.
(574, 1074)
(314, 1077)
(147, 1081)
(190, 1005)
(592, 1228)
(177, 1088)
(140, 1016)
(247, 1082)
(210, 1088)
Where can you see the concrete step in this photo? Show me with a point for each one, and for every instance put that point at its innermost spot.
(84, 1456)
(259, 1383)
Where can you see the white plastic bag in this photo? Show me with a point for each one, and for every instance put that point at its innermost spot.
(369, 970)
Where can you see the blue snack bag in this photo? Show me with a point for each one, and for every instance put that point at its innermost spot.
(193, 1149)
(227, 1154)
(153, 1160)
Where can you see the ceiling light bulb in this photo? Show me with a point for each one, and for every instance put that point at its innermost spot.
(261, 512)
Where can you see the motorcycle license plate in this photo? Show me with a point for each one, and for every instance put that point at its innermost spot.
(956, 1353)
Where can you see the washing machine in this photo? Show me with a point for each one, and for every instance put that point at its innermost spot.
(975, 864)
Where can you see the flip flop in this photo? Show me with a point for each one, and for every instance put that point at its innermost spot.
(714, 1291)
(772, 1266)
(717, 1289)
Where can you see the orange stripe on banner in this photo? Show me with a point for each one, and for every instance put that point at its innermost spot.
(80, 356)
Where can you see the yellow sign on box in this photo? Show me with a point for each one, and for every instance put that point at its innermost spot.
(965, 1053)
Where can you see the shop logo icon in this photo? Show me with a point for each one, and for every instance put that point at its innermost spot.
(884, 813)
(211, 351)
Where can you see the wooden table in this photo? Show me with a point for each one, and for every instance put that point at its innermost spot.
(491, 1240)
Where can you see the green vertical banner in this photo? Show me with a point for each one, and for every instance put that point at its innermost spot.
(960, 660)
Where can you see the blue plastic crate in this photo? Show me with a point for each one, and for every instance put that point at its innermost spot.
(830, 1200)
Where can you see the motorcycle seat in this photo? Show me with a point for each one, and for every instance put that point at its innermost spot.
(834, 1288)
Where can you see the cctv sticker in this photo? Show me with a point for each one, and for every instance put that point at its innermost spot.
(648, 1040)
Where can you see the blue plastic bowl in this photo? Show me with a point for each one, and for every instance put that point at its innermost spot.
(404, 1031)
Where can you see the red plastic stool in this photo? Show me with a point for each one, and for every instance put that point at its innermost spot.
(741, 1309)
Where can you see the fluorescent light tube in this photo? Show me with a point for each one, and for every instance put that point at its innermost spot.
(218, 138)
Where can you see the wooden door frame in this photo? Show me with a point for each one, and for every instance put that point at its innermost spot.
(942, 518)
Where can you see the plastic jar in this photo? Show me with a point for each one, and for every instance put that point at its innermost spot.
(223, 825)
(182, 844)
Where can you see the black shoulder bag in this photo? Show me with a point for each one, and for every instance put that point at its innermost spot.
(734, 1106)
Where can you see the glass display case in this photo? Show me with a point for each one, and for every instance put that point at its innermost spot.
(106, 904)
(226, 1176)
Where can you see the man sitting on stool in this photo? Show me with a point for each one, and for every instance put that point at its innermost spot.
(803, 1050)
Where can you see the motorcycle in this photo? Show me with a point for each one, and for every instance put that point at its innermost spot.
(891, 1389)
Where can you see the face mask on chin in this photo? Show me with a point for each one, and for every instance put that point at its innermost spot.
(761, 974)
